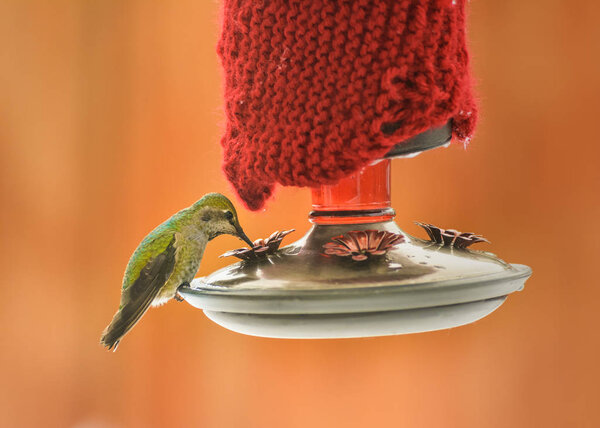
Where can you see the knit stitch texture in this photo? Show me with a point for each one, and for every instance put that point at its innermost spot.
(317, 89)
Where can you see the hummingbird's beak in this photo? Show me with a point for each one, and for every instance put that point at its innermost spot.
(242, 236)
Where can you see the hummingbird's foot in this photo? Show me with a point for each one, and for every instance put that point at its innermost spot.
(177, 296)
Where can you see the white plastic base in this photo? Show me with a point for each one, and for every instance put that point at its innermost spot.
(331, 326)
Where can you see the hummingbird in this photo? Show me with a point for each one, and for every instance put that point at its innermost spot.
(168, 258)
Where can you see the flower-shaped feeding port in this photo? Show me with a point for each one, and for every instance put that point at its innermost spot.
(260, 247)
(360, 244)
(451, 237)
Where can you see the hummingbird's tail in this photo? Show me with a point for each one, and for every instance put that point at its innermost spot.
(137, 297)
(123, 321)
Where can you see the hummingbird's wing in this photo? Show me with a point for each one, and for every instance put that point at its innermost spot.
(139, 295)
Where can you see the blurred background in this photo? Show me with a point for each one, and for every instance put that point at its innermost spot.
(110, 118)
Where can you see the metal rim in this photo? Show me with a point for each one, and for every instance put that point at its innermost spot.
(363, 299)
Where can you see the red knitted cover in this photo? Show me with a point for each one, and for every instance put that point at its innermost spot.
(316, 89)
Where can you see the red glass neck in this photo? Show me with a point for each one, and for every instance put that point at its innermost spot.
(363, 197)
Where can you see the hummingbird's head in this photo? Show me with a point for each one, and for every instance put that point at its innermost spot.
(216, 215)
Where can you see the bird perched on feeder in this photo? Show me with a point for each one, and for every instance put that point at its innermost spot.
(168, 258)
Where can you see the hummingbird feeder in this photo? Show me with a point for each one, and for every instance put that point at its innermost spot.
(324, 96)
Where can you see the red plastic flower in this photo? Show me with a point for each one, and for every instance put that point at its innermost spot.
(261, 247)
(362, 243)
(451, 237)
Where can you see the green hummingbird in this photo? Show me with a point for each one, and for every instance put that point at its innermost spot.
(168, 258)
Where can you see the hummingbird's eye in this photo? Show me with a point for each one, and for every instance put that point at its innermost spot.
(228, 215)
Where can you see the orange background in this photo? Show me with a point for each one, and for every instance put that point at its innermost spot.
(110, 115)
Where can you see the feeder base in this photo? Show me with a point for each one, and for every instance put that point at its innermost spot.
(299, 292)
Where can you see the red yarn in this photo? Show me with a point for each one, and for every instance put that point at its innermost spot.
(315, 90)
